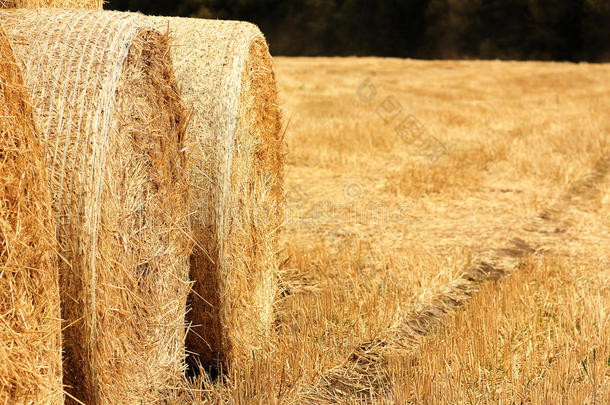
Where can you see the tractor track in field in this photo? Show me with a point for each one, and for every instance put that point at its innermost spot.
(361, 374)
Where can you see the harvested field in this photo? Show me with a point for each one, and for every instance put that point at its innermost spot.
(236, 185)
(541, 337)
(112, 127)
(506, 186)
(411, 185)
(30, 341)
(446, 234)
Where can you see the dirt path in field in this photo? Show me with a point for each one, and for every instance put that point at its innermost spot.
(361, 375)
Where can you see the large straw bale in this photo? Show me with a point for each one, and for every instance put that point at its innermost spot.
(112, 124)
(226, 75)
(87, 4)
(30, 326)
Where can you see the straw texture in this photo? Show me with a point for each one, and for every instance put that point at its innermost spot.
(30, 346)
(226, 75)
(112, 125)
(86, 4)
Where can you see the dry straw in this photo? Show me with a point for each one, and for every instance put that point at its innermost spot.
(112, 126)
(234, 137)
(30, 346)
(89, 4)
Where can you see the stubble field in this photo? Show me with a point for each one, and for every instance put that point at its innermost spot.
(447, 237)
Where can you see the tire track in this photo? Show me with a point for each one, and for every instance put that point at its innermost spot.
(361, 374)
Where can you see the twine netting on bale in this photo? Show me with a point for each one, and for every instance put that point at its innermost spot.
(112, 125)
(88, 4)
(234, 137)
(30, 344)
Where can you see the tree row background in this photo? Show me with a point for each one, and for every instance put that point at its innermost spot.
(575, 30)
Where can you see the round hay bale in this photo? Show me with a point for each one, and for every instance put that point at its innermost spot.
(234, 138)
(86, 4)
(30, 344)
(112, 125)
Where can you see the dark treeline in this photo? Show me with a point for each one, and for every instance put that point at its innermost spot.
(508, 29)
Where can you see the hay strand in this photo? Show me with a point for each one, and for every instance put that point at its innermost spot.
(30, 346)
(226, 75)
(112, 125)
(77, 4)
